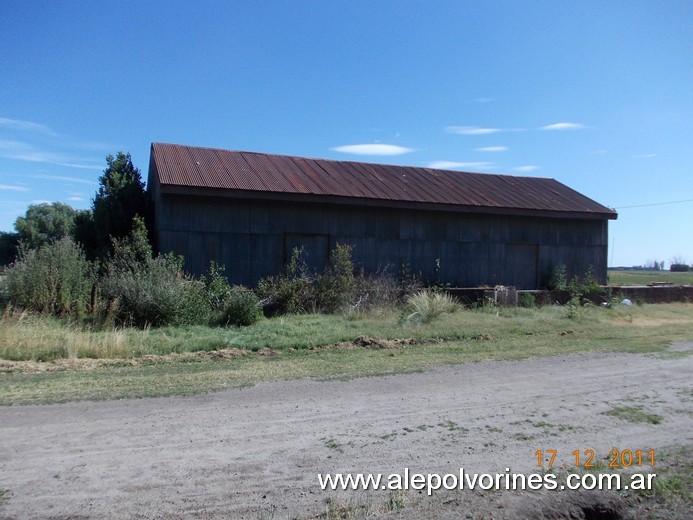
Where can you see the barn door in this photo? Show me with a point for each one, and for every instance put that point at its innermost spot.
(315, 249)
(522, 266)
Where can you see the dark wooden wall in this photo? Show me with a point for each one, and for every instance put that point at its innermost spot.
(255, 238)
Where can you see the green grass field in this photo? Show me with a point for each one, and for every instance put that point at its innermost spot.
(85, 364)
(620, 277)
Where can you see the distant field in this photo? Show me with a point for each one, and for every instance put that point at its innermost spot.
(620, 277)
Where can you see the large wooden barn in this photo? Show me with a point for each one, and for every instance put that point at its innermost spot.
(248, 211)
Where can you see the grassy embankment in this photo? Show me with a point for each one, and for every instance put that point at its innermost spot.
(621, 277)
(48, 360)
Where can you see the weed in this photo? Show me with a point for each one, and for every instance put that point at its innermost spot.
(523, 437)
(4, 498)
(395, 501)
(333, 445)
(452, 426)
(634, 414)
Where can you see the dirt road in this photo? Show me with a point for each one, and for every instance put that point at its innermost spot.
(256, 452)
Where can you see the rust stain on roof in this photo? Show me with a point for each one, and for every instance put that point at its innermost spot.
(214, 169)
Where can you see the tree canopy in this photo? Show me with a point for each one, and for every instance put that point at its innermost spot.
(120, 197)
(44, 223)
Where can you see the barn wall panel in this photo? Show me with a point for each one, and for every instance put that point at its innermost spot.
(249, 238)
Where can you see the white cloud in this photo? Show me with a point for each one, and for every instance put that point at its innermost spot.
(644, 156)
(40, 201)
(527, 168)
(5, 187)
(492, 149)
(471, 130)
(373, 149)
(454, 165)
(64, 179)
(75, 199)
(21, 151)
(563, 126)
(484, 100)
(17, 124)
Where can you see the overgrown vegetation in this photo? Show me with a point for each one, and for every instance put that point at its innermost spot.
(54, 279)
(191, 359)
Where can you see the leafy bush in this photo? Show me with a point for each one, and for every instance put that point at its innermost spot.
(335, 287)
(291, 292)
(156, 293)
(242, 308)
(426, 305)
(527, 300)
(679, 268)
(54, 279)
(559, 279)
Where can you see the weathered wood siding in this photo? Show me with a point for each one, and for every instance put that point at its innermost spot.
(255, 238)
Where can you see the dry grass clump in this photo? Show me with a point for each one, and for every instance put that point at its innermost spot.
(426, 305)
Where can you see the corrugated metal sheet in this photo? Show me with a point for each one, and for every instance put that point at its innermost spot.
(212, 169)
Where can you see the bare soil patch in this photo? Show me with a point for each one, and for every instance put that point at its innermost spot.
(256, 452)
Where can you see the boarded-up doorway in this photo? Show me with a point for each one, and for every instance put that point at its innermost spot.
(522, 266)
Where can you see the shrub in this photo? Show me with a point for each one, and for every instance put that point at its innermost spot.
(424, 306)
(679, 268)
(156, 293)
(527, 300)
(217, 287)
(242, 308)
(559, 279)
(335, 287)
(54, 279)
(291, 292)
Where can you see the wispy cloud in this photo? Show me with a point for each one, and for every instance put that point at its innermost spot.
(492, 149)
(479, 130)
(75, 199)
(76, 180)
(7, 187)
(484, 100)
(471, 130)
(27, 126)
(644, 156)
(21, 151)
(373, 149)
(454, 165)
(527, 168)
(563, 126)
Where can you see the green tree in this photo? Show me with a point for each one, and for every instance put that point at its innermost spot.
(44, 223)
(133, 252)
(120, 197)
(9, 243)
(84, 233)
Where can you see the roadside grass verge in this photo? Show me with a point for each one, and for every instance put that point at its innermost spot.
(311, 346)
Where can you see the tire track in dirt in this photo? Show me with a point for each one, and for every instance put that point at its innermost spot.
(239, 452)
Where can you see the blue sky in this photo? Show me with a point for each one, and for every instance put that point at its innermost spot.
(597, 95)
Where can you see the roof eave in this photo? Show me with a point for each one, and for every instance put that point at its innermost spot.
(385, 203)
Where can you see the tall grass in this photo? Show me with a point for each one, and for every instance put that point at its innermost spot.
(426, 305)
(24, 336)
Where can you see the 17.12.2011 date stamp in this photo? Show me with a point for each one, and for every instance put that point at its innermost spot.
(586, 458)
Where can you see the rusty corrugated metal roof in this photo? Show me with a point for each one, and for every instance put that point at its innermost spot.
(211, 170)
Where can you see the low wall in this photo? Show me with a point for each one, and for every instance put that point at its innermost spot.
(508, 296)
(655, 294)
